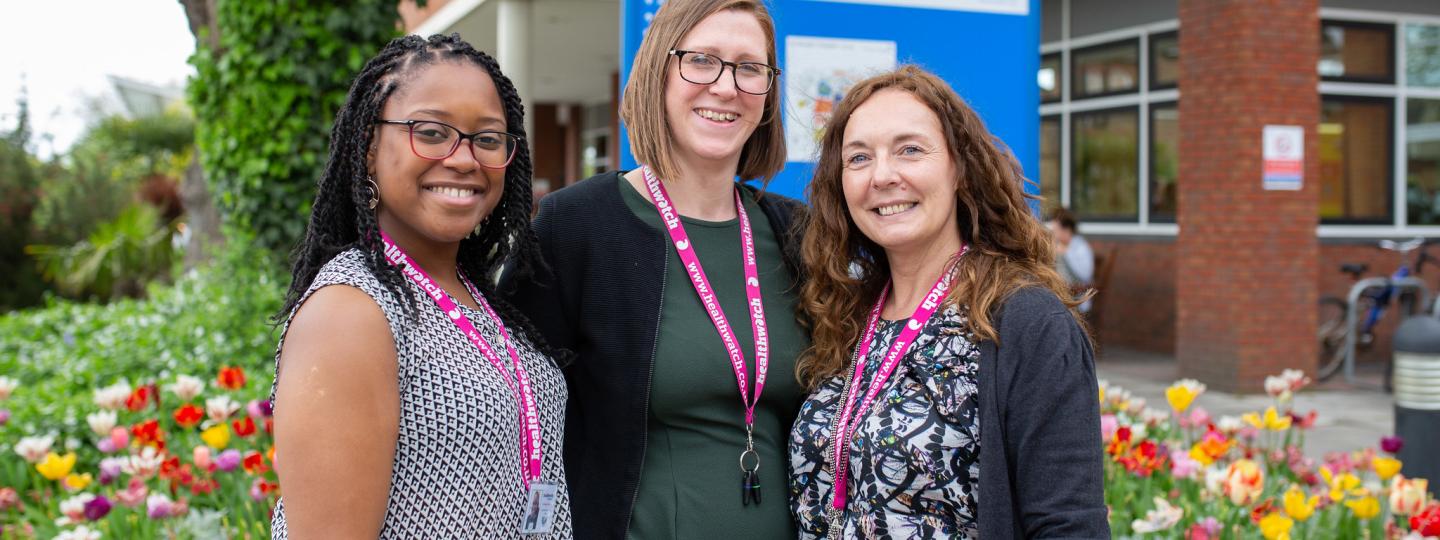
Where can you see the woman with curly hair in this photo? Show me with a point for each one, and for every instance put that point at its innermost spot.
(411, 401)
(953, 385)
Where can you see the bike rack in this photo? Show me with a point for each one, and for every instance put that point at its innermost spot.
(1353, 299)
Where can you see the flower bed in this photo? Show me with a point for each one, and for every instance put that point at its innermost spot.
(1182, 474)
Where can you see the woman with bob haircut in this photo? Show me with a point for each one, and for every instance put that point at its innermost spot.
(952, 380)
(411, 401)
(676, 288)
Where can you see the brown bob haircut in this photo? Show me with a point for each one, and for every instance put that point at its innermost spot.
(643, 105)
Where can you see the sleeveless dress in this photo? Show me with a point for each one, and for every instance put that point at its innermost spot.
(456, 472)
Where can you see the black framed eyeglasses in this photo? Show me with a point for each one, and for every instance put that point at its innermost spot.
(437, 140)
(702, 68)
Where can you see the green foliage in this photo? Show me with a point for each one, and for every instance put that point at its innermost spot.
(60, 355)
(20, 285)
(100, 175)
(267, 96)
(211, 317)
(117, 260)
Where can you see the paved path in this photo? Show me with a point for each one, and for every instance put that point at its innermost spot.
(1350, 418)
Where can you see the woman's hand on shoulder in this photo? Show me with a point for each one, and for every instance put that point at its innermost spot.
(337, 408)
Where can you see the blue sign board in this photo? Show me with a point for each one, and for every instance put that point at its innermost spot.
(988, 50)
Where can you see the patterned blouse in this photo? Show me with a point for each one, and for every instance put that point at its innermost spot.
(456, 472)
(915, 459)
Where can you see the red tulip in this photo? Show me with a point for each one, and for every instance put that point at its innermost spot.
(245, 427)
(189, 416)
(231, 378)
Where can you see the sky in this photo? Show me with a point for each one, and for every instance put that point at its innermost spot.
(61, 52)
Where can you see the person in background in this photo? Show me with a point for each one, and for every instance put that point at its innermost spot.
(1073, 256)
(676, 287)
(953, 385)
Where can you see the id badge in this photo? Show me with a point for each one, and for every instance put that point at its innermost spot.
(539, 515)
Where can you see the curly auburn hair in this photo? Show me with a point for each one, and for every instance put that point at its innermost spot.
(340, 218)
(1008, 248)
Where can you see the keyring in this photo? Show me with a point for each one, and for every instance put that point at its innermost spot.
(753, 454)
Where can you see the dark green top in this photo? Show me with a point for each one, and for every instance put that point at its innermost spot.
(690, 482)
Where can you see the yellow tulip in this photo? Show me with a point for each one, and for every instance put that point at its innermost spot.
(1274, 422)
(1183, 393)
(218, 436)
(1364, 508)
(1297, 505)
(1253, 419)
(1339, 484)
(55, 467)
(76, 482)
(1275, 526)
(1385, 467)
(1407, 495)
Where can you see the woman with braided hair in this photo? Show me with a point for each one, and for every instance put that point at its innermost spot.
(410, 401)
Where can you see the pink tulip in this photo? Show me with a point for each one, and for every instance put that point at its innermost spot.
(228, 460)
(119, 437)
(202, 457)
(1108, 426)
(1197, 418)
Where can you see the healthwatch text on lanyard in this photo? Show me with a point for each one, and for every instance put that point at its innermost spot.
(540, 495)
(848, 423)
(749, 480)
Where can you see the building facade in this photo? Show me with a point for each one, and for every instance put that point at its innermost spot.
(1151, 119)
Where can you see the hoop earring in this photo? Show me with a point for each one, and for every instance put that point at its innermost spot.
(374, 192)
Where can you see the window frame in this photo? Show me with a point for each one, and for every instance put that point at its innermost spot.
(1150, 149)
(1392, 79)
(1389, 219)
(1139, 170)
(1060, 79)
(1075, 88)
(1151, 63)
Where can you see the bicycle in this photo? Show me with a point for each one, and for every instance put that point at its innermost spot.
(1372, 300)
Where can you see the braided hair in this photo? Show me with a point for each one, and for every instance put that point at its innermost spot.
(340, 218)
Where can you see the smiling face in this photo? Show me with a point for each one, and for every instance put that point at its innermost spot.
(711, 122)
(439, 201)
(899, 178)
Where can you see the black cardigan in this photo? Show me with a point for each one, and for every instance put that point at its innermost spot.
(600, 298)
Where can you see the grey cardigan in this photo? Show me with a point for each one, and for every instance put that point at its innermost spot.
(1039, 397)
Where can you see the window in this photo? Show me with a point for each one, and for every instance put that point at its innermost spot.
(1164, 60)
(1050, 163)
(1355, 139)
(1104, 168)
(1422, 155)
(1422, 55)
(1164, 160)
(1106, 69)
(1050, 78)
(1357, 52)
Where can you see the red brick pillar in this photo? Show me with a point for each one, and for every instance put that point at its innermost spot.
(1246, 264)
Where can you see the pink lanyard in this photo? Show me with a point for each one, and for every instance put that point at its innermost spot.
(848, 424)
(530, 450)
(661, 200)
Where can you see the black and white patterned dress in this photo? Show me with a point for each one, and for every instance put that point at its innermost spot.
(915, 459)
(457, 458)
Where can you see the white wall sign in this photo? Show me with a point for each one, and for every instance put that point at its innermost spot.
(818, 71)
(1284, 158)
(1007, 7)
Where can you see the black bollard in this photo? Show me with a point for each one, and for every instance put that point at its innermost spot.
(1416, 379)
